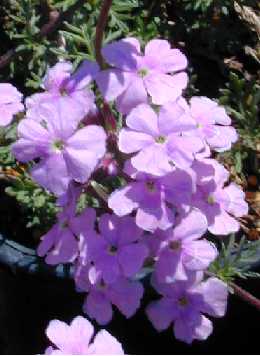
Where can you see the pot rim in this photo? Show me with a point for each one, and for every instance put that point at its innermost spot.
(23, 259)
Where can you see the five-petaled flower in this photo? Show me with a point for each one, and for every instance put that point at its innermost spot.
(77, 339)
(160, 141)
(135, 76)
(60, 83)
(185, 303)
(66, 152)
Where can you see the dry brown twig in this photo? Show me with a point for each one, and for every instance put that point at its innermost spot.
(247, 14)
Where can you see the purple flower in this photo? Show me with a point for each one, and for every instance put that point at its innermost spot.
(155, 199)
(66, 153)
(184, 303)
(182, 250)
(59, 82)
(117, 251)
(220, 204)
(125, 294)
(158, 140)
(10, 103)
(213, 124)
(77, 339)
(134, 75)
(62, 244)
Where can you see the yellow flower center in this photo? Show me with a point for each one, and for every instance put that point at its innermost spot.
(112, 250)
(58, 145)
(211, 200)
(175, 245)
(150, 186)
(183, 301)
(63, 92)
(143, 72)
(160, 139)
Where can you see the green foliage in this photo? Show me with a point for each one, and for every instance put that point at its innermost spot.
(224, 6)
(242, 98)
(203, 5)
(235, 259)
(23, 26)
(64, 4)
(79, 37)
(39, 206)
(34, 53)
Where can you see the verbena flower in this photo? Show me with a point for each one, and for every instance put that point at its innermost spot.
(125, 294)
(59, 82)
(220, 204)
(117, 251)
(213, 124)
(182, 251)
(62, 243)
(185, 303)
(77, 339)
(134, 75)
(10, 103)
(66, 152)
(158, 139)
(155, 199)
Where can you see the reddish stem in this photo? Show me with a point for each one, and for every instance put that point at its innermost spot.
(101, 25)
(249, 298)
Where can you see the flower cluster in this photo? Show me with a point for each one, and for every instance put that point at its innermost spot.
(172, 194)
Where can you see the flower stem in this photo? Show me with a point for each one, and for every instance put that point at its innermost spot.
(99, 191)
(101, 25)
(249, 298)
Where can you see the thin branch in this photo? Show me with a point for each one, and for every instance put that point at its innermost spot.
(55, 20)
(101, 25)
(249, 298)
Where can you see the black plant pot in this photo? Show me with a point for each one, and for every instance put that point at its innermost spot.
(32, 294)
